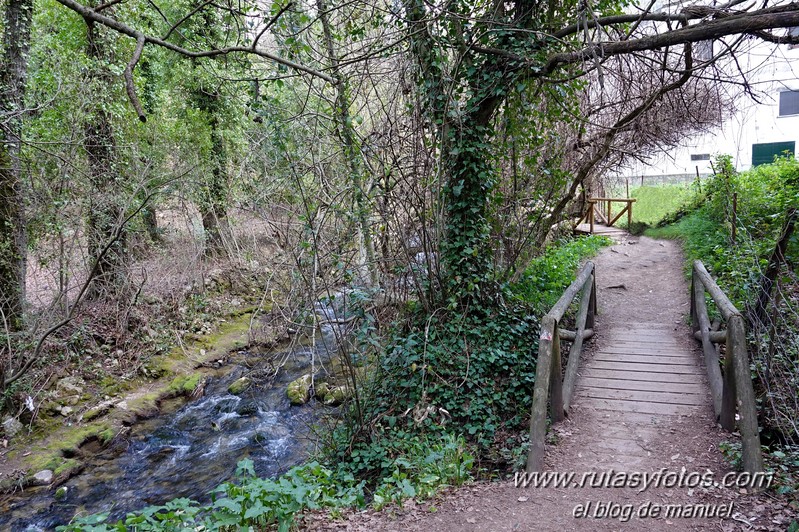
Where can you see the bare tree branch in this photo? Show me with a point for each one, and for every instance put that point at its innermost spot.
(748, 23)
(271, 22)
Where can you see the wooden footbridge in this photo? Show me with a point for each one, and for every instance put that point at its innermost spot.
(601, 209)
(644, 374)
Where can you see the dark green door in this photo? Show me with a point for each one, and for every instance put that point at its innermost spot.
(764, 153)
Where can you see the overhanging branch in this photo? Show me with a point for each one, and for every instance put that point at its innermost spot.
(749, 23)
(114, 24)
(130, 86)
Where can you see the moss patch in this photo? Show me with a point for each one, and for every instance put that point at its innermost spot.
(231, 335)
(58, 454)
(70, 440)
(183, 385)
(54, 445)
(239, 386)
(143, 405)
(67, 467)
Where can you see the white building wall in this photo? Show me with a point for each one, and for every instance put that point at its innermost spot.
(771, 69)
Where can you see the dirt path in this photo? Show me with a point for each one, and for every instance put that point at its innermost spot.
(640, 282)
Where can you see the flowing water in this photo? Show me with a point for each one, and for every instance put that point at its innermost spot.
(190, 451)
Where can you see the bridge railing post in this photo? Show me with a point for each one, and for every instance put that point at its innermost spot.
(550, 385)
(745, 396)
(538, 417)
(734, 391)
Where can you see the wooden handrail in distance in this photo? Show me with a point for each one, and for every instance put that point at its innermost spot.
(592, 211)
(735, 386)
(549, 387)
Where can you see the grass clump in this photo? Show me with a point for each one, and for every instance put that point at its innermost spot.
(654, 203)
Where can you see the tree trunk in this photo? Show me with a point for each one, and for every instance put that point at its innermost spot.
(149, 212)
(213, 200)
(367, 263)
(469, 170)
(106, 212)
(13, 236)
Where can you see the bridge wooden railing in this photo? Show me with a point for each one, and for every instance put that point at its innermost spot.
(735, 386)
(549, 384)
(594, 209)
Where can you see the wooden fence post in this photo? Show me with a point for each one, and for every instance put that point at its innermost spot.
(629, 214)
(717, 387)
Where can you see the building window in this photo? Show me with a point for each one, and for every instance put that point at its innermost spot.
(700, 156)
(789, 103)
(765, 153)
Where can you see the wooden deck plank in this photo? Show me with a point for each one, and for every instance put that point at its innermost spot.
(637, 407)
(643, 350)
(642, 397)
(650, 339)
(644, 368)
(600, 230)
(611, 373)
(645, 345)
(664, 334)
(653, 422)
(657, 386)
(645, 359)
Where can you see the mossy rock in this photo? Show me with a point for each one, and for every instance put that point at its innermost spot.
(61, 493)
(299, 391)
(183, 385)
(239, 386)
(337, 395)
(321, 389)
(98, 411)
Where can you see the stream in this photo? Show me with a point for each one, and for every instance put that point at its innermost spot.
(192, 450)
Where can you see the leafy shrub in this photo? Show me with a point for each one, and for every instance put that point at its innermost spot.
(424, 468)
(468, 375)
(250, 501)
(547, 276)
